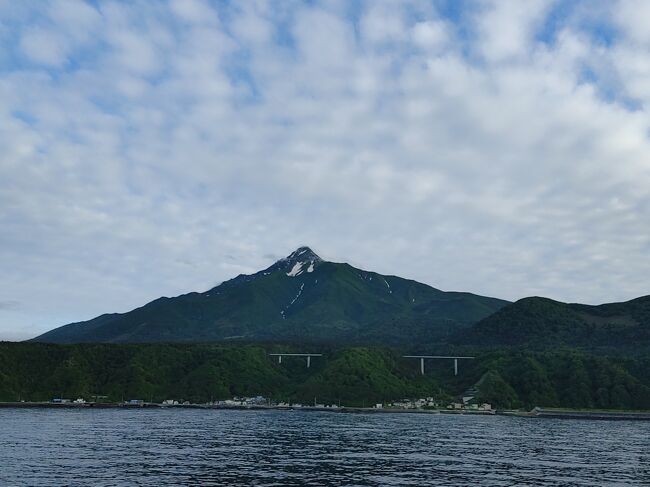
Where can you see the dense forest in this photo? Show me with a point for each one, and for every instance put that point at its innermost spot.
(351, 376)
(565, 378)
(199, 373)
(542, 324)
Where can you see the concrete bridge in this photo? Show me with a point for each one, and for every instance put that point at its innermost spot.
(421, 357)
(442, 357)
(308, 355)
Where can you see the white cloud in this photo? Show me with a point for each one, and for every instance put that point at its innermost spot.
(506, 28)
(77, 19)
(631, 17)
(139, 155)
(195, 11)
(383, 23)
(430, 34)
(135, 52)
(44, 46)
(251, 25)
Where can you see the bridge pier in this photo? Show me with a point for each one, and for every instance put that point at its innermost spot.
(423, 357)
(307, 355)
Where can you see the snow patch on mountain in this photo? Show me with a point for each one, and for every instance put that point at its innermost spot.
(296, 269)
(302, 286)
(282, 312)
(390, 291)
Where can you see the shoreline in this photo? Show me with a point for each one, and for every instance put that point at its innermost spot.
(536, 413)
(146, 405)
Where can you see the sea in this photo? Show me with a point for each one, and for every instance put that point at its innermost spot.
(158, 447)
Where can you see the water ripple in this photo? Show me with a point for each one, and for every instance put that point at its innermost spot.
(279, 448)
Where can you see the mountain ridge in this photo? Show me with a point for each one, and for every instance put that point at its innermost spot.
(298, 298)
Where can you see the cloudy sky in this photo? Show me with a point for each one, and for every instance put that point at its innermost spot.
(156, 148)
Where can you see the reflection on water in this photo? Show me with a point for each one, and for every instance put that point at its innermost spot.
(207, 447)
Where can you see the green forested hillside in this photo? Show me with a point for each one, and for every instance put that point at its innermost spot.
(565, 378)
(200, 373)
(351, 376)
(299, 299)
(542, 323)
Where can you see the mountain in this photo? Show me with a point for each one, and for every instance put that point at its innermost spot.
(541, 322)
(300, 298)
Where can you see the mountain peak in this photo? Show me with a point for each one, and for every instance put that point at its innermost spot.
(303, 259)
(303, 254)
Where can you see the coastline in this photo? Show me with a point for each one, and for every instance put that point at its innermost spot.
(540, 413)
(147, 405)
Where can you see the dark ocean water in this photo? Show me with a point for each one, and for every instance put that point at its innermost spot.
(206, 447)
